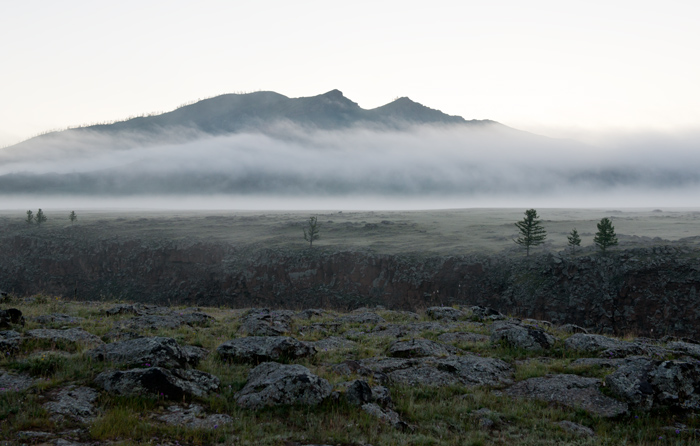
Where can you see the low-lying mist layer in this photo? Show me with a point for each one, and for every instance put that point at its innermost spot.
(291, 161)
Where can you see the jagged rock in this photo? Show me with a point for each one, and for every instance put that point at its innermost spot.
(362, 318)
(256, 349)
(572, 328)
(577, 429)
(272, 384)
(382, 396)
(194, 354)
(571, 391)
(77, 335)
(685, 348)
(521, 336)
(14, 383)
(11, 316)
(9, 342)
(194, 417)
(462, 337)
(486, 313)
(591, 343)
(75, 403)
(142, 352)
(57, 318)
(647, 383)
(334, 343)
(468, 370)
(359, 393)
(420, 347)
(263, 322)
(385, 415)
(173, 384)
(445, 313)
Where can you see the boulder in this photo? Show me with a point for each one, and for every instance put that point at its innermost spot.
(462, 337)
(194, 354)
(73, 335)
(74, 403)
(334, 343)
(122, 309)
(686, 348)
(445, 313)
(273, 384)
(591, 343)
(486, 313)
(263, 322)
(410, 329)
(576, 429)
(362, 318)
(386, 415)
(11, 316)
(420, 347)
(194, 417)
(9, 342)
(160, 321)
(359, 393)
(571, 391)
(174, 384)
(14, 383)
(521, 336)
(257, 349)
(142, 352)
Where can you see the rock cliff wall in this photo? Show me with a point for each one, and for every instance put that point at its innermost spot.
(649, 291)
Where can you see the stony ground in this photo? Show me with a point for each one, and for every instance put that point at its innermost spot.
(98, 373)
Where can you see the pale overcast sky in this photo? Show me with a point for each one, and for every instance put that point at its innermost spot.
(552, 67)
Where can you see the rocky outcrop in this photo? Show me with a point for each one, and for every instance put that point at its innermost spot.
(521, 336)
(264, 322)
(74, 403)
(257, 349)
(420, 347)
(14, 383)
(72, 335)
(194, 417)
(142, 352)
(174, 384)
(9, 342)
(11, 316)
(272, 384)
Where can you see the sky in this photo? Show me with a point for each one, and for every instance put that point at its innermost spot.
(570, 69)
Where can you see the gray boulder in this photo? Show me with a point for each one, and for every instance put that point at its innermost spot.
(263, 322)
(386, 415)
(11, 316)
(445, 313)
(169, 320)
(686, 348)
(14, 383)
(576, 429)
(571, 391)
(272, 384)
(194, 354)
(194, 417)
(74, 403)
(122, 309)
(257, 349)
(591, 343)
(486, 313)
(462, 337)
(142, 352)
(174, 384)
(419, 348)
(9, 342)
(359, 393)
(73, 335)
(334, 343)
(522, 336)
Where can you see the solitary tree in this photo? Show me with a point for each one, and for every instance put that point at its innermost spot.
(606, 234)
(574, 240)
(311, 231)
(531, 231)
(40, 217)
(73, 217)
(30, 217)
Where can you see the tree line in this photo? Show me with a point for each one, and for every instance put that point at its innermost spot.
(40, 217)
(532, 233)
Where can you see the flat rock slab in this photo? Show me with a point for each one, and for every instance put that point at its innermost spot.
(266, 322)
(469, 370)
(194, 417)
(274, 384)
(159, 321)
(591, 343)
(257, 349)
(521, 336)
(14, 383)
(142, 352)
(334, 343)
(419, 348)
(75, 335)
(463, 337)
(571, 391)
(172, 384)
(75, 403)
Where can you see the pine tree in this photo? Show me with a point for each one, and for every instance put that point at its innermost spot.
(30, 217)
(606, 234)
(574, 240)
(73, 217)
(311, 231)
(531, 231)
(40, 217)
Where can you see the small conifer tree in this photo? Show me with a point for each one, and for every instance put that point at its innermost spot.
(574, 240)
(30, 217)
(531, 231)
(605, 236)
(73, 217)
(40, 217)
(311, 231)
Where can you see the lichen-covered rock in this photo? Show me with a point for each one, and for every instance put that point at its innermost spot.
(385, 415)
(263, 322)
(75, 335)
(169, 320)
(9, 342)
(257, 349)
(591, 343)
(362, 318)
(194, 417)
(521, 336)
(571, 391)
(334, 343)
(486, 313)
(687, 348)
(576, 429)
(57, 318)
(420, 347)
(173, 384)
(463, 337)
(445, 313)
(310, 313)
(598, 362)
(272, 384)
(359, 393)
(14, 383)
(144, 352)
(75, 403)
(194, 354)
